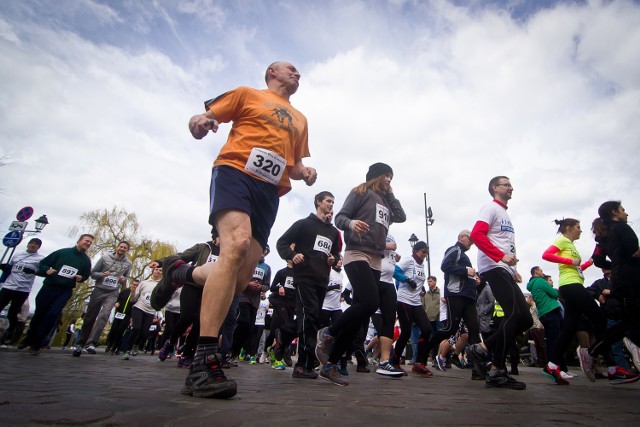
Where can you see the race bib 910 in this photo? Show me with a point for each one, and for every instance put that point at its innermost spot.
(382, 215)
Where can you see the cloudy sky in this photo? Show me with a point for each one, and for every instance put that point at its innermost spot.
(95, 97)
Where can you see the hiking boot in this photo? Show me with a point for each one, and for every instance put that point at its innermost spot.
(620, 376)
(555, 375)
(166, 286)
(634, 351)
(207, 380)
(586, 363)
(389, 370)
(323, 347)
(479, 357)
(500, 379)
(330, 373)
(300, 372)
(91, 349)
(421, 370)
(165, 351)
(442, 363)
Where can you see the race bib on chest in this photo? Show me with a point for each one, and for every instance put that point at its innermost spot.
(119, 316)
(110, 281)
(258, 274)
(288, 282)
(18, 268)
(382, 215)
(147, 296)
(266, 164)
(212, 258)
(68, 272)
(323, 244)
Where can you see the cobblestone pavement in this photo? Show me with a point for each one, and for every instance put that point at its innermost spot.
(56, 389)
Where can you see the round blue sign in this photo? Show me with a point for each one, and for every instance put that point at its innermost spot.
(12, 239)
(24, 213)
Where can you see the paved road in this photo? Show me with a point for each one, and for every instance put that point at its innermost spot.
(56, 389)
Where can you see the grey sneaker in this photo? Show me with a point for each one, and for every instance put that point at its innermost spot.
(330, 373)
(323, 347)
(634, 351)
(586, 363)
(125, 356)
(91, 349)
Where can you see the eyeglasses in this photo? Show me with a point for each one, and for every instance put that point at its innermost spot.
(506, 185)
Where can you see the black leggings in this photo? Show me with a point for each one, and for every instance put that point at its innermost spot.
(577, 302)
(458, 308)
(517, 317)
(364, 281)
(408, 315)
(629, 296)
(140, 324)
(190, 300)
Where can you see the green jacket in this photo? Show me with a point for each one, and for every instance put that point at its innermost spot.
(70, 259)
(544, 295)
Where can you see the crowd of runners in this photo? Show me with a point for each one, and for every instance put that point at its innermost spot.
(216, 302)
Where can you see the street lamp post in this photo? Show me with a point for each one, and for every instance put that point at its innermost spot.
(429, 220)
(18, 230)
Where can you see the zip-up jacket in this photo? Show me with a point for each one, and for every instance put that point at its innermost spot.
(117, 267)
(457, 282)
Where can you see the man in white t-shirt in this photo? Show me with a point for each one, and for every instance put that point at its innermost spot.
(494, 236)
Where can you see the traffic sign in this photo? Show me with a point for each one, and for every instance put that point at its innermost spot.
(24, 213)
(12, 239)
(18, 226)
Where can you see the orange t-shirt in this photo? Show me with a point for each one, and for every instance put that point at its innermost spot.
(261, 120)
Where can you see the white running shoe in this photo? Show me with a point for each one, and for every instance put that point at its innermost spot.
(566, 375)
(634, 351)
(586, 363)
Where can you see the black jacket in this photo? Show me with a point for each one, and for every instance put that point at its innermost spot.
(315, 240)
(619, 245)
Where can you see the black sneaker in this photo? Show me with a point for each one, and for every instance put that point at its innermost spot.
(77, 352)
(479, 357)
(161, 294)
(455, 360)
(502, 380)
(300, 372)
(278, 348)
(475, 376)
(208, 380)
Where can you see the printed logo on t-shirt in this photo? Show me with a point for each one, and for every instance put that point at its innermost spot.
(505, 225)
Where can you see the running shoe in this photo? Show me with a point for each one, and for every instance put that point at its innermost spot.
(252, 360)
(278, 365)
(300, 372)
(343, 367)
(389, 370)
(455, 361)
(442, 363)
(401, 369)
(514, 371)
(263, 359)
(567, 375)
(206, 379)
(91, 349)
(500, 379)
(363, 369)
(186, 361)
(479, 357)
(125, 356)
(620, 376)
(271, 356)
(323, 347)
(164, 351)
(286, 358)
(134, 351)
(475, 376)
(586, 363)
(166, 286)
(554, 375)
(77, 352)
(330, 373)
(242, 354)
(421, 370)
(634, 351)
